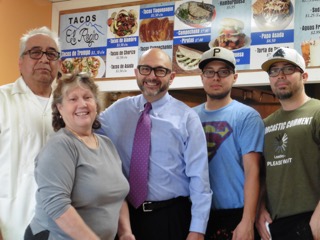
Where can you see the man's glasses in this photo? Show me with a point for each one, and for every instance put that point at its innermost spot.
(158, 71)
(222, 73)
(36, 54)
(287, 70)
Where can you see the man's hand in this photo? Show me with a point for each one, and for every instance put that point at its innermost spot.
(195, 236)
(128, 236)
(315, 223)
(244, 231)
(261, 220)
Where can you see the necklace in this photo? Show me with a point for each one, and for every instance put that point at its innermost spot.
(82, 140)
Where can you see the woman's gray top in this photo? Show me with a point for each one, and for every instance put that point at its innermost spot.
(68, 173)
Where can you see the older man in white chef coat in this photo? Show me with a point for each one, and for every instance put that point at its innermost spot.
(25, 123)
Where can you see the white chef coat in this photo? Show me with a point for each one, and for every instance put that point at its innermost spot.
(24, 128)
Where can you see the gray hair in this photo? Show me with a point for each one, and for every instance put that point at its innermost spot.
(42, 30)
(67, 82)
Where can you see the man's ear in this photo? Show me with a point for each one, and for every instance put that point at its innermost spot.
(172, 76)
(235, 78)
(136, 71)
(305, 77)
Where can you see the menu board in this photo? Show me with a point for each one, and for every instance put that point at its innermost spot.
(307, 31)
(108, 42)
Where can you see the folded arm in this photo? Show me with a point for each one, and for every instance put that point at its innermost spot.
(73, 225)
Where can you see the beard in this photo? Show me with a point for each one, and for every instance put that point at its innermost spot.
(152, 93)
(218, 96)
(291, 90)
(284, 95)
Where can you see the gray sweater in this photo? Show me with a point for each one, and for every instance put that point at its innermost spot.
(69, 173)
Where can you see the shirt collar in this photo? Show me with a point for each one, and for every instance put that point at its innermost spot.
(156, 106)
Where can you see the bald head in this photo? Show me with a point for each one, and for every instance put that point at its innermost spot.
(156, 56)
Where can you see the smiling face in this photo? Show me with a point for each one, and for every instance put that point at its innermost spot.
(152, 87)
(286, 86)
(78, 109)
(39, 73)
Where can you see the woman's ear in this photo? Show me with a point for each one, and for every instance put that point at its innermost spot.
(59, 107)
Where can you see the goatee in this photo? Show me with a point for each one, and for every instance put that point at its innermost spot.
(218, 96)
(153, 93)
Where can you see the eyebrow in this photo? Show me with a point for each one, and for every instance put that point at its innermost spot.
(38, 47)
(146, 65)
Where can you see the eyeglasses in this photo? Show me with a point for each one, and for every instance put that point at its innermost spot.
(222, 73)
(287, 70)
(158, 71)
(36, 54)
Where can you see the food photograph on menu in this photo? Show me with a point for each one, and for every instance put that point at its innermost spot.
(231, 35)
(156, 29)
(272, 14)
(196, 14)
(93, 65)
(186, 57)
(310, 50)
(123, 23)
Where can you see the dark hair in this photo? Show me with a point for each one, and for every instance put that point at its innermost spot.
(65, 83)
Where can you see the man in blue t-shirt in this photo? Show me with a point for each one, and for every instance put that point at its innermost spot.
(234, 135)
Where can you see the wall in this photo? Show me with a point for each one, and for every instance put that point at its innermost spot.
(16, 17)
(261, 99)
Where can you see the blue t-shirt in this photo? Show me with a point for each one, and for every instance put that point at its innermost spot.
(231, 132)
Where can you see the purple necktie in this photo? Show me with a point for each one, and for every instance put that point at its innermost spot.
(139, 165)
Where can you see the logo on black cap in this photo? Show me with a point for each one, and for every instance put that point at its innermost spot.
(279, 53)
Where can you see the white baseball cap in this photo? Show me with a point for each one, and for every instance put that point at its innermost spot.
(217, 54)
(283, 54)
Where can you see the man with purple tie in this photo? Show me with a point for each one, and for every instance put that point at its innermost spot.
(178, 200)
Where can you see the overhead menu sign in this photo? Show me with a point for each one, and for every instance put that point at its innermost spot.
(109, 42)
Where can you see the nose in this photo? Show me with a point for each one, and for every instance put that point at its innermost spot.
(44, 58)
(281, 73)
(83, 102)
(216, 76)
(152, 74)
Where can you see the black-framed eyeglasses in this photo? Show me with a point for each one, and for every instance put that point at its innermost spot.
(287, 70)
(158, 71)
(222, 73)
(36, 54)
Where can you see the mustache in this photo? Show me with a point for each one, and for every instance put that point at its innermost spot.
(152, 81)
(281, 81)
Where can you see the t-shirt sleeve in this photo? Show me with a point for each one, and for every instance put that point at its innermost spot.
(252, 134)
(55, 169)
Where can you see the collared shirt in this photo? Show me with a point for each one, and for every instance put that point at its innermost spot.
(178, 159)
(24, 127)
